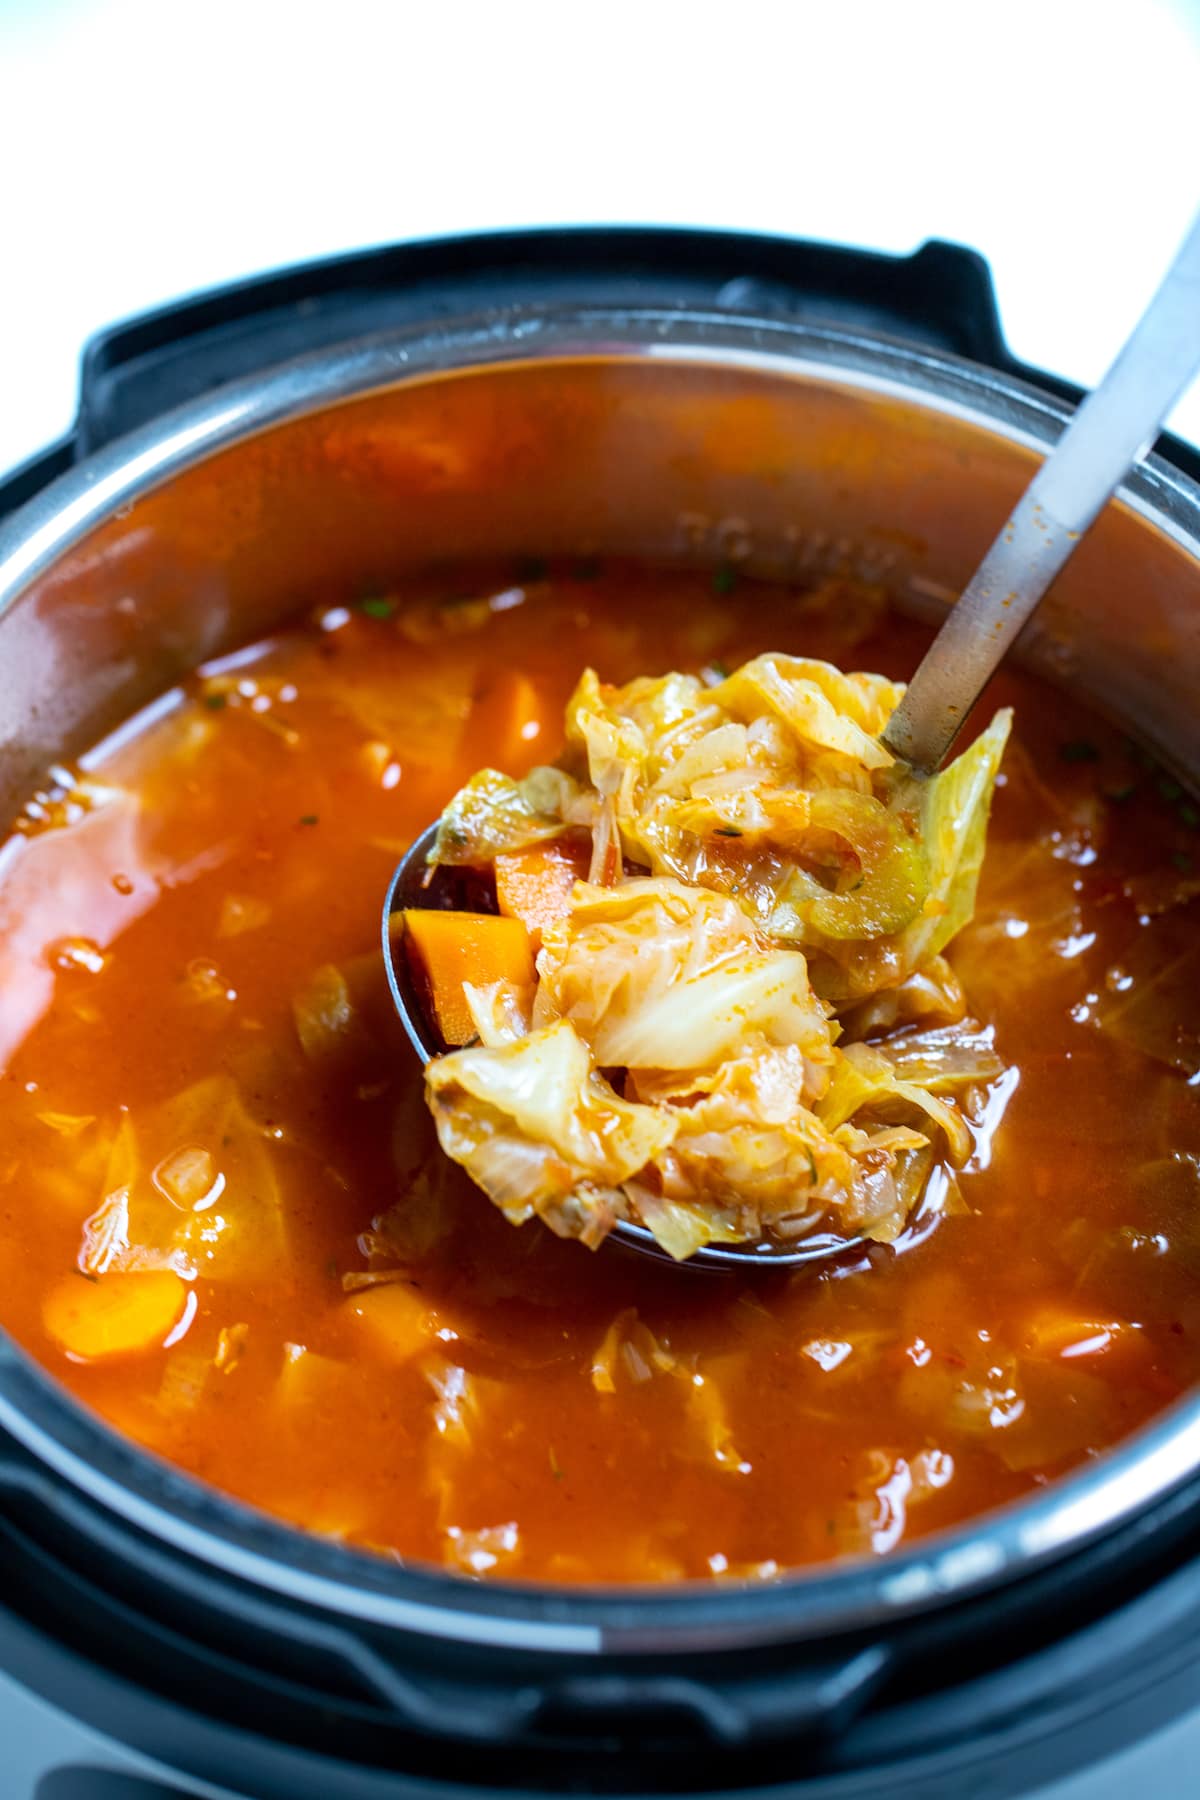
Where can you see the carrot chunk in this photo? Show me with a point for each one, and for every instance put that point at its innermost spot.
(506, 722)
(453, 947)
(534, 885)
(114, 1315)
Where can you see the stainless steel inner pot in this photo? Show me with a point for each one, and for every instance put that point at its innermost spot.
(665, 434)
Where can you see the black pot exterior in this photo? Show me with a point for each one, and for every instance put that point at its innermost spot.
(264, 1698)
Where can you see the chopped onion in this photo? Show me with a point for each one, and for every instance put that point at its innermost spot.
(241, 913)
(189, 1178)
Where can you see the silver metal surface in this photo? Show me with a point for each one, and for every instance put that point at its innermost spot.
(793, 451)
(1113, 426)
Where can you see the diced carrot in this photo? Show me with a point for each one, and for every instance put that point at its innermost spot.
(453, 947)
(506, 723)
(534, 885)
(395, 1320)
(114, 1315)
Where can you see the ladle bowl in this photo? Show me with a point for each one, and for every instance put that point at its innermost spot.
(416, 884)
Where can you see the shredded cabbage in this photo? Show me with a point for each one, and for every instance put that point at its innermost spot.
(954, 814)
(933, 991)
(494, 813)
(1149, 1000)
(948, 1057)
(499, 1012)
(322, 1012)
(867, 1079)
(760, 866)
(750, 1145)
(654, 975)
(629, 1351)
(532, 1120)
(189, 1185)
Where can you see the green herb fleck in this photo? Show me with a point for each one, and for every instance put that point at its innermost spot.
(555, 1469)
(1119, 795)
(1079, 750)
(1182, 861)
(331, 1268)
(1169, 789)
(377, 606)
(310, 818)
(1189, 814)
(727, 831)
(724, 580)
(214, 702)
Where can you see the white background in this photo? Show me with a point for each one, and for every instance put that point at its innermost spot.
(152, 147)
(149, 148)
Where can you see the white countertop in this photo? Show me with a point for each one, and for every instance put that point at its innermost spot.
(151, 150)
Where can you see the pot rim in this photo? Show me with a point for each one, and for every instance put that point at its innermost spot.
(235, 1538)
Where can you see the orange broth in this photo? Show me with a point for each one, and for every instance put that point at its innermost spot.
(500, 1409)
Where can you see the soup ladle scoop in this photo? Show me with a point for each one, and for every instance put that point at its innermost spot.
(1112, 427)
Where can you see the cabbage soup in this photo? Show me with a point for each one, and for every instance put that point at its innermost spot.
(228, 1227)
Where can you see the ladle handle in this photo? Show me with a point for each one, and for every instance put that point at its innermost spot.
(1113, 426)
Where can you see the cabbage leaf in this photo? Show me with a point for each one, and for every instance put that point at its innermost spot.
(493, 814)
(1152, 1001)
(867, 1078)
(532, 1120)
(656, 975)
(954, 807)
(821, 708)
(189, 1185)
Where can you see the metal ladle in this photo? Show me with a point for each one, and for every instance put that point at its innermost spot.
(1113, 426)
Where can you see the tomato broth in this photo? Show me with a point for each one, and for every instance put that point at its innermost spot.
(204, 1084)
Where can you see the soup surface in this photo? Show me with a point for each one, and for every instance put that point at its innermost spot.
(203, 1080)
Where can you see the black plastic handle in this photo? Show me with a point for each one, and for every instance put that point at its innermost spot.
(156, 1618)
(940, 296)
(80, 1781)
(796, 1705)
(29, 478)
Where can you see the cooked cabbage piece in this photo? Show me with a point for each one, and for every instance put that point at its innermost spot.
(656, 975)
(540, 1130)
(189, 1186)
(768, 890)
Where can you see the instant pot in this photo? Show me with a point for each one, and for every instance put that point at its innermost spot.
(793, 408)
